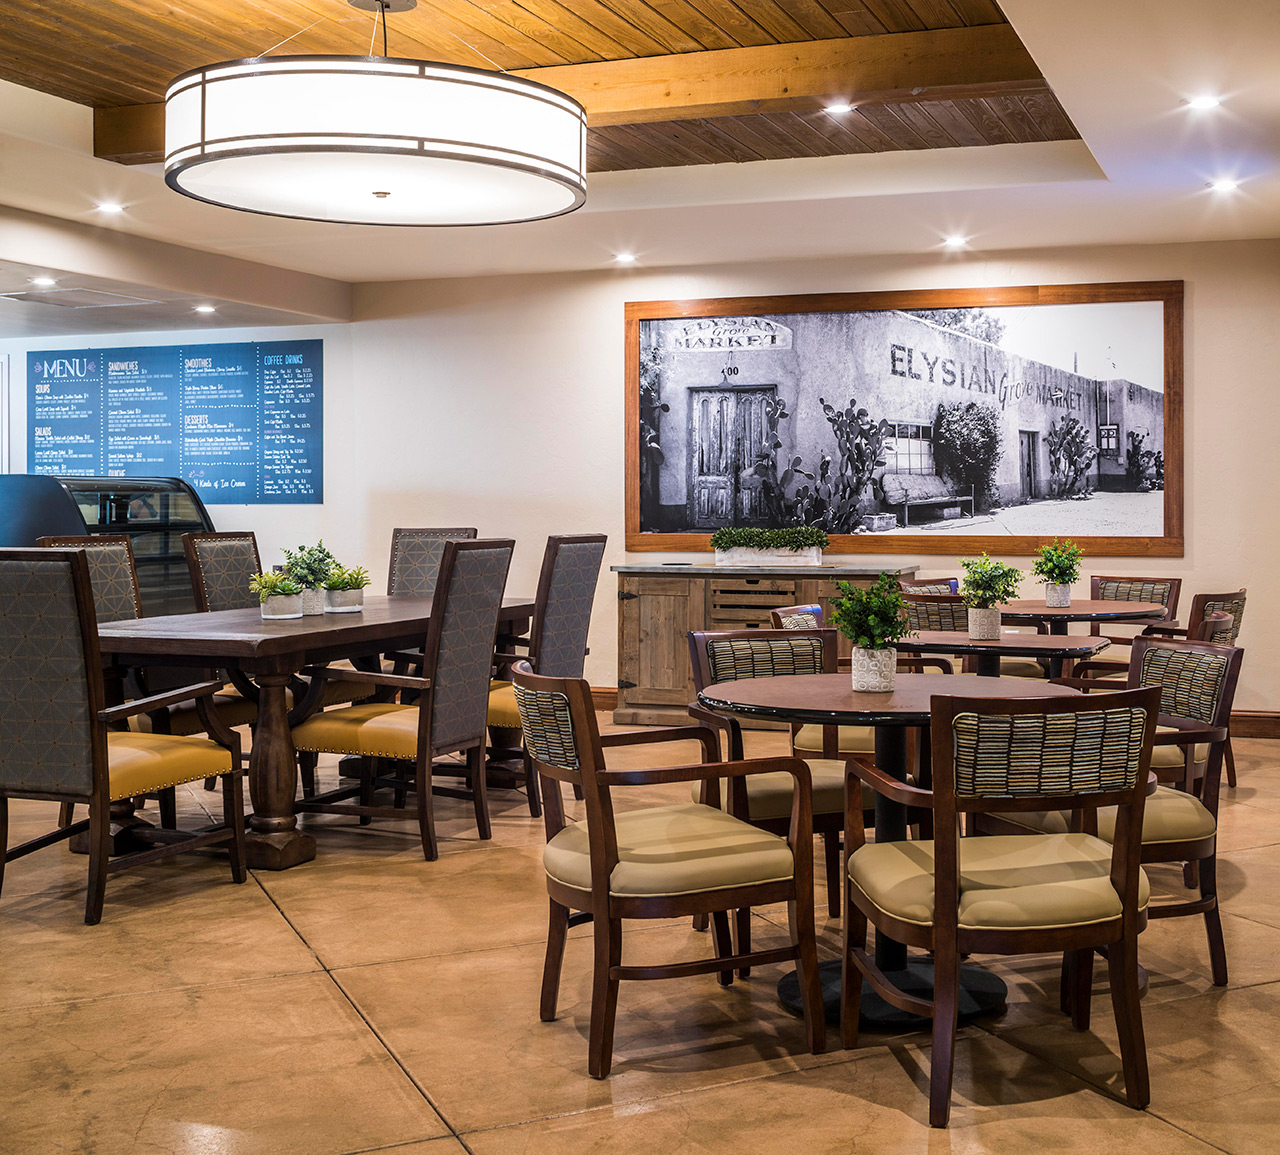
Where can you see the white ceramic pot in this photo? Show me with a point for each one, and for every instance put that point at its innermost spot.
(742, 555)
(1057, 597)
(312, 601)
(874, 671)
(283, 606)
(984, 625)
(343, 601)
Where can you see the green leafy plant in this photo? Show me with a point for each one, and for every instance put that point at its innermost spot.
(309, 565)
(1071, 452)
(1058, 563)
(873, 618)
(794, 537)
(342, 578)
(966, 448)
(987, 583)
(273, 585)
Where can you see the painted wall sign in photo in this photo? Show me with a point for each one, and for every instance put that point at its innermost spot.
(242, 423)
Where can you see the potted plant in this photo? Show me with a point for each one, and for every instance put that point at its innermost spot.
(985, 587)
(1058, 566)
(795, 545)
(344, 590)
(873, 619)
(280, 595)
(309, 566)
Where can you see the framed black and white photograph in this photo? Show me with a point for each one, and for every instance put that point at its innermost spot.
(938, 421)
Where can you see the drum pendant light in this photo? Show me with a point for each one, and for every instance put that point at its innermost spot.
(374, 140)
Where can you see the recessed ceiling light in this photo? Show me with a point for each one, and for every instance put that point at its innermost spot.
(44, 282)
(955, 241)
(625, 258)
(1201, 103)
(205, 309)
(1224, 184)
(838, 109)
(110, 207)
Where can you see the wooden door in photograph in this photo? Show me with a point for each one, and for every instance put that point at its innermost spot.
(727, 435)
(1027, 464)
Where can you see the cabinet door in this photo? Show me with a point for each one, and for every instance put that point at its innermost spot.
(655, 615)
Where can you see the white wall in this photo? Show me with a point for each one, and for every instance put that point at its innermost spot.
(497, 402)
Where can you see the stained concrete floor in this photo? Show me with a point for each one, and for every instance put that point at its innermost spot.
(371, 1001)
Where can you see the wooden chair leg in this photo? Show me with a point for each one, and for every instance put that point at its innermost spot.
(722, 945)
(1213, 920)
(66, 813)
(399, 794)
(233, 819)
(480, 791)
(211, 783)
(532, 788)
(855, 935)
(604, 994)
(168, 803)
(742, 936)
(1231, 762)
(99, 838)
(946, 1013)
(1122, 967)
(307, 760)
(1077, 986)
(800, 920)
(701, 922)
(557, 933)
(4, 836)
(831, 850)
(426, 810)
(370, 768)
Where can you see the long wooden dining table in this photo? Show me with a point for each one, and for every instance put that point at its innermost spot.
(270, 654)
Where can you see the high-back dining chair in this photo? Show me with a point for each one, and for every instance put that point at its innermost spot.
(221, 566)
(1010, 894)
(416, 556)
(557, 641)
(449, 714)
(58, 744)
(671, 861)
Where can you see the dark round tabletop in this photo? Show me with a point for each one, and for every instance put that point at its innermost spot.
(830, 698)
(1081, 610)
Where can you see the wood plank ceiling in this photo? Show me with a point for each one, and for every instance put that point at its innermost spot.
(922, 73)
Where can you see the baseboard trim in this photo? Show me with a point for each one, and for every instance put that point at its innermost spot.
(605, 698)
(1255, 724)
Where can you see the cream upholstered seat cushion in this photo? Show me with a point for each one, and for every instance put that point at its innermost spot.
(853, 740)
(143, 763)
(376, 730)
(502, 706)
(769, 795)
(1006, 882)
(1168, 816)
(665, 850)
(1173, 757)
(1021, 668)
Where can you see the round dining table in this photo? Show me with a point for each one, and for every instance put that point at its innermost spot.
(830, 700)
(1083, 610)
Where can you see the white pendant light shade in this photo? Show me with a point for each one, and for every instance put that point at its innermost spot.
(369, 140)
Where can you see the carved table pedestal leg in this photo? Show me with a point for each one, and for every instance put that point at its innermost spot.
(274, 840)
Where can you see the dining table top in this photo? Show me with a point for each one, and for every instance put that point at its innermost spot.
(1010, 642)
(1081, 610)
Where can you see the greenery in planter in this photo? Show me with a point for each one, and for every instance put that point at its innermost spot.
(796, 537)
(966, 448)
(309, 565)
(874, 618)
(1070, 454)
(988, 583)
(1058, 563)
(342, 578)
(273, 585)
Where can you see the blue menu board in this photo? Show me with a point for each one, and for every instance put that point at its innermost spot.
(242, 423)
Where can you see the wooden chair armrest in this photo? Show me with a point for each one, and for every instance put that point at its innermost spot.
(700, 733)
(1165, 630)
(159, 701)
(793, 766)
(921, 662)
(403, 681)
(891, 788)
(1186, 732)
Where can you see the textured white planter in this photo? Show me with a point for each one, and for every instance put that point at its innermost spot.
(1057, 597)
(741, 555)
(312, 601)
(984, 625)
(874, 671)
(286, 606)
(343, 601)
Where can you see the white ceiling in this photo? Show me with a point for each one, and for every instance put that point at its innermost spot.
(1121, 68)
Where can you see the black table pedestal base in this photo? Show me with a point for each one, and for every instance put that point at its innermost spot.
(981, 993)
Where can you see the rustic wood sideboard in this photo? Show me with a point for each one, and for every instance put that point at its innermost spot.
(659, 604)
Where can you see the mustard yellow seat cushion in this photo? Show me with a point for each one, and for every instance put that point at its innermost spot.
(1168, 816)
(502, 706)
(669, 850)
(1006, 882)
(853, 740)
(769, 795)
(143, 763)
(376, 730)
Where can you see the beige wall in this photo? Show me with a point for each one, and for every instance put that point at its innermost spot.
(497, 402)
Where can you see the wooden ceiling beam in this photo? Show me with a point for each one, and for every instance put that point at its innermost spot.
(903, 67)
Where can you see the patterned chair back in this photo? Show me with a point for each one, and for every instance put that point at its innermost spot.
(1166, 591)
(929, 585)
(566, 593)
(460, 640)
(221, 566)
(733, 655)
(415, 559)
(796, 618)
(1233, 604)
(113, 574)
(547, 721)
(936, 611)
(50, 675)
(1197, 680)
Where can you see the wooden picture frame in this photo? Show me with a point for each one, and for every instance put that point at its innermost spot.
(1029, 507)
